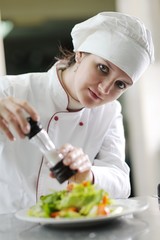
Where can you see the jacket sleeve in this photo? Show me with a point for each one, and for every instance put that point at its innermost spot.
(110, 170)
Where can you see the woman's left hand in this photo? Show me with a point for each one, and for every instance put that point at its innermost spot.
(76, 159)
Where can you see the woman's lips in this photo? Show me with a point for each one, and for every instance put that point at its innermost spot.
(94, 95)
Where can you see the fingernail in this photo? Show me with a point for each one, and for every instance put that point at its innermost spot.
(81, 169)
(27, 128)
(66, 162)
(75, 165)
(37, 117)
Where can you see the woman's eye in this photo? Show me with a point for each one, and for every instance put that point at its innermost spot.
(103, 68)
(120, 84)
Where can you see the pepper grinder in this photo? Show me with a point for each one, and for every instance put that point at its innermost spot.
(40, 138)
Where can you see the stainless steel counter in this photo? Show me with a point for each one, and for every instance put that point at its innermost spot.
(144, 226)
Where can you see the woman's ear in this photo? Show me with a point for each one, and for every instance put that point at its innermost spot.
(79, 56)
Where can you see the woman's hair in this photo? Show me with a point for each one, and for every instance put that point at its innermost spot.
(66, 55)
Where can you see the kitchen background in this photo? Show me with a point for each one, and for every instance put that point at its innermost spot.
(32, 32)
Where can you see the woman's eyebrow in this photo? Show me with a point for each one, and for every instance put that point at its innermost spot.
(109, 65)
(129, 81)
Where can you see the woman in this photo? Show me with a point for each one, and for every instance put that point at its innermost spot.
(76, 102)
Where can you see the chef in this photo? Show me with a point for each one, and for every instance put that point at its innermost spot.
(76, 103)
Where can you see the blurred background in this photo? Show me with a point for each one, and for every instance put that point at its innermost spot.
(30, 35)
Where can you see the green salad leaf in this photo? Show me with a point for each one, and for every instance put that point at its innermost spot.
(77, 200)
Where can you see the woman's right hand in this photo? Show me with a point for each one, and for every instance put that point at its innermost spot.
(13, 116)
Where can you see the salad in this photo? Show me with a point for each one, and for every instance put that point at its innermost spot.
(78, 200)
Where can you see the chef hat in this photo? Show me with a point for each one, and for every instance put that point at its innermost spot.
(118, 38)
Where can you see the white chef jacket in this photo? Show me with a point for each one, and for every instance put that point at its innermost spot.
(24, 175)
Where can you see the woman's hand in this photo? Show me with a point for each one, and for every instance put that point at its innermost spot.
(13, 116)
(76, 159)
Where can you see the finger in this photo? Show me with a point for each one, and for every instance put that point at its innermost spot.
(65, 148)
(12, 122)
(19, 109)
(51, 175)
(72, 156)
(83, 176)
(84, 167)
(81, 164)
(15, 125)
(29, 109)
(14, 112)
(4, 128)
(21, 124)
(77, 163)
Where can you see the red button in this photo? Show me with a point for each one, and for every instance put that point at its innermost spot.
(56, 118)
(81, 124)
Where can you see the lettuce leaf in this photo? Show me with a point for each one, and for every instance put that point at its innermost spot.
(82, 197)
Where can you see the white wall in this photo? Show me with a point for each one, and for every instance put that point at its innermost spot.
(142, 106)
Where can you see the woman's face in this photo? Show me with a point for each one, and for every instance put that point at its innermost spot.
(97, 81)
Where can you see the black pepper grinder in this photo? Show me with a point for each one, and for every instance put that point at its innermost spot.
(40, 138)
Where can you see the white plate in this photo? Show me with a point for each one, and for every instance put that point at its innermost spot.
(122, 207)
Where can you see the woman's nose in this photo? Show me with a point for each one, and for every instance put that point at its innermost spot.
(105, 87)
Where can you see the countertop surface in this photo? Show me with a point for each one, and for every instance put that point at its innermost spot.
(144, 225)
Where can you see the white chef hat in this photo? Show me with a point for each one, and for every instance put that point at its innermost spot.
(118, 38)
